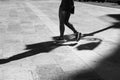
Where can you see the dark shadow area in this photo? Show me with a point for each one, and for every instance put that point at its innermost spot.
(88, 46)
(34, 49)
(91, 44)
(45, 47)
(115, 16)
(68, 37)
(115, 25)
(89, 75)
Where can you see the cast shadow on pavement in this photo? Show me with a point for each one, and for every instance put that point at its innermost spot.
(34, 49)
(91, 44)
(116, 25)
(116, 17)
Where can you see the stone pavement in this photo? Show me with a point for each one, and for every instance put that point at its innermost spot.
(28, 52)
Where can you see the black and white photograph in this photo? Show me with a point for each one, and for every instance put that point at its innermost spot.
(59, 39)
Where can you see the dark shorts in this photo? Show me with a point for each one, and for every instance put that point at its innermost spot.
(70, 10)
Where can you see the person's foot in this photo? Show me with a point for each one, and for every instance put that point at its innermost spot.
(61, 39)
(78, 36)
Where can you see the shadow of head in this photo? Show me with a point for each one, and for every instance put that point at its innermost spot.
(91, 44)
(116, 17)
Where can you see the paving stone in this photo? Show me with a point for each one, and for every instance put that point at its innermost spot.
(13, 73)
(14, 27)
(50, 72)
(69, 63)
(43, 59)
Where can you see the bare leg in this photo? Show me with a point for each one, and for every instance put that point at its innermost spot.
(77, 34)
(67, 23)
(62, 20)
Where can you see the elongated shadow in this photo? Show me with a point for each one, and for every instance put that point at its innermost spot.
(34, 49)
(115, 25)
(115, 16)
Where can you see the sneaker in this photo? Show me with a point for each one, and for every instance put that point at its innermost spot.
(61, 40)
(77, 36)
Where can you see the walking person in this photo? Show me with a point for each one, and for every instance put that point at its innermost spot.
(65, 10)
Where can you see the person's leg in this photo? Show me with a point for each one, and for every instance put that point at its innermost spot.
(77, 34)
(61, 26)
(67, 23)
(61, 22)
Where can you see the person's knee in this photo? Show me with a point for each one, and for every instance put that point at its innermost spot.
(66, 23)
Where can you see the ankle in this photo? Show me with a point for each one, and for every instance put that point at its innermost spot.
(76, 32)
(61, 37)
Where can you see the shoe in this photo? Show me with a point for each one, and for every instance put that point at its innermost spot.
(61, 40)
(78, 36)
